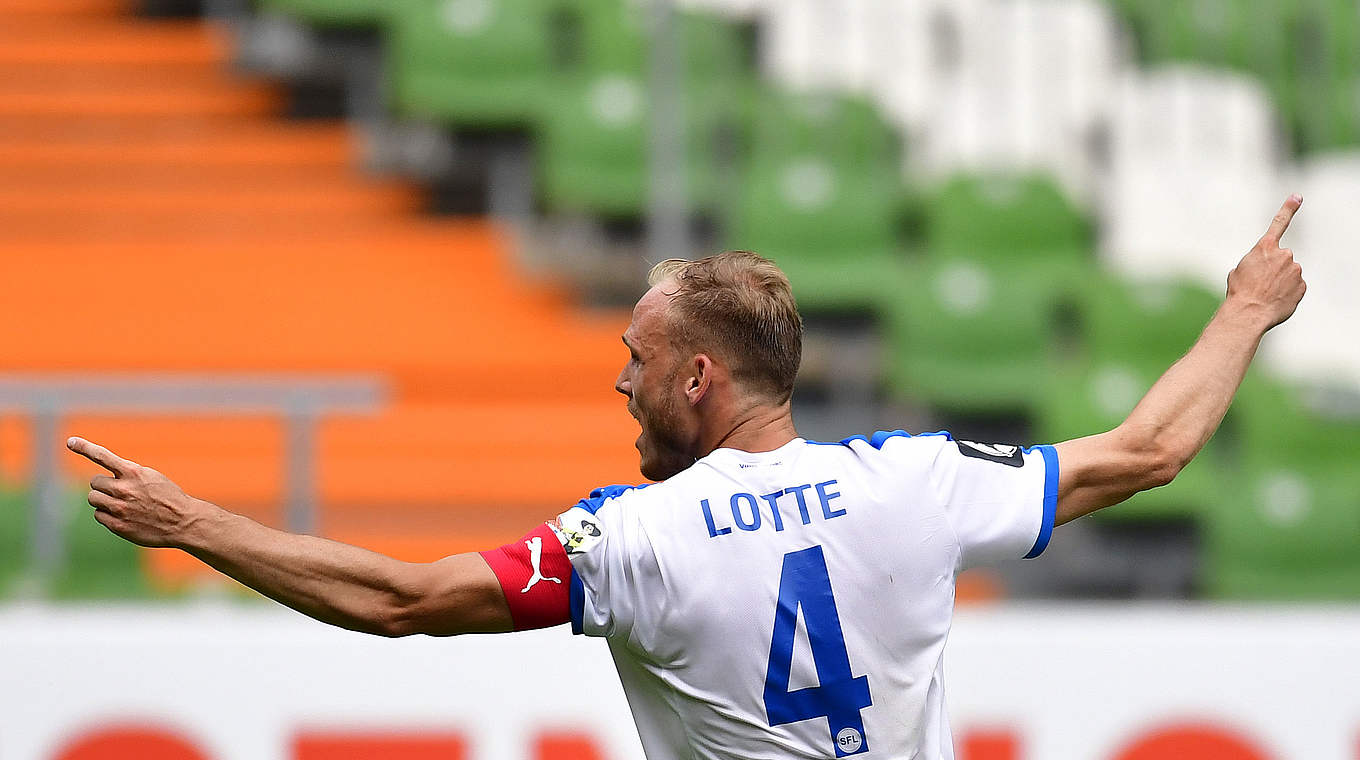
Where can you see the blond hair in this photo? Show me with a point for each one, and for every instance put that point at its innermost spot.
(738, 306)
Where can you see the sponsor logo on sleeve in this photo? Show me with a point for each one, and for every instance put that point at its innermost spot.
(1001, 453)
(578, 531)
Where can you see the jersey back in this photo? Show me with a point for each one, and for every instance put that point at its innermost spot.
(796, 603)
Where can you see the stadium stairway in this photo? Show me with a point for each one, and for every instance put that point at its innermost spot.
(157, 215)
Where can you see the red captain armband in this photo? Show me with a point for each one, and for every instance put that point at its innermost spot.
(535, 576)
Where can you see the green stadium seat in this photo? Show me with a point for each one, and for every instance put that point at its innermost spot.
(595, 129)
(1325, 80)
(1005, 217)
(98, 566)
(1289, 524)
(1307, 52)
(486, 63)
(1006, 255)
(1150, 323)
(14, 536)
(1128, 334)
(336, 13)
(976, 335)
(822, 196)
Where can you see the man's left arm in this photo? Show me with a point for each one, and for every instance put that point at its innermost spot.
(1184, 407)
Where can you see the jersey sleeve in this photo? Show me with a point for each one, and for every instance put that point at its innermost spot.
(612, 562)
(999, 499)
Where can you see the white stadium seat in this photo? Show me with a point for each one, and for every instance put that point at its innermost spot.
(814, 44)
(1031, 88)
(911, 48)
(1194, 173)
(1314, 346)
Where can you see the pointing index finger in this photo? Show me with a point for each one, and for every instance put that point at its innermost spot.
(99, 455)
(1282, 218)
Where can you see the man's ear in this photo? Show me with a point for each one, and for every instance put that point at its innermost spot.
(700, 378)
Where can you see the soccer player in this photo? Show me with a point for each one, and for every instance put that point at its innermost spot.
(752, 538)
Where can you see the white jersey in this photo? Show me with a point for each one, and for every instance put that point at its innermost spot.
(795, 603)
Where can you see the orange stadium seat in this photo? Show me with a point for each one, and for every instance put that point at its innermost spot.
(158, 218)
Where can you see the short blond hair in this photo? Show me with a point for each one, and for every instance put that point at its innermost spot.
(738, 306)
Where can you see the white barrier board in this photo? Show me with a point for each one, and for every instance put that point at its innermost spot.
(1026, 682)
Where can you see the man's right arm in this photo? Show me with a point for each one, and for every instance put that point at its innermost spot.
(333, 582)
(351, 587)
(1182, 410)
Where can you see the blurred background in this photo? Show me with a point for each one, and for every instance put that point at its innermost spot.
(359, 267)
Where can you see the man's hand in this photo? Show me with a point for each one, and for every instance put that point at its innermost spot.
(137, 503)
(1268, 283)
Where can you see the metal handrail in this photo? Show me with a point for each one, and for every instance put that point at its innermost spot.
(301, 400)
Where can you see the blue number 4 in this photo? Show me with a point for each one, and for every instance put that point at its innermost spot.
(839, 696)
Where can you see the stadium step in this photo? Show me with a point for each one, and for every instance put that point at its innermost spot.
(60, 41)
(10, 9)
(171, 200)
(121, 178)
(144, 100)
(238, 144)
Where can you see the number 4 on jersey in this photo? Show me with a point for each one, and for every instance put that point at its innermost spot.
(839, 696)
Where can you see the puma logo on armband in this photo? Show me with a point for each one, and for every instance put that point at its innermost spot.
(535, 545)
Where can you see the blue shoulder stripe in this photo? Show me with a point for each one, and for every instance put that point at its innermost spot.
(599, 496)
(881, 437)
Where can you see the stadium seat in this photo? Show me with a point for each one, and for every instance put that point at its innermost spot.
(975, 335)
(1194, 174)
(821, 196)
(1288, 527)
(1005, 255)
(335, 13)
(1323, 235)
(1032, 85)
(595, 132)
(735, 9)
(1326, 67)
(14, 535)
(1248, 37)
(1004, 258)
(481, 63)
(1005, 217)
(812, 46)
(1304, 52)
(911, 48)
(1147, 322)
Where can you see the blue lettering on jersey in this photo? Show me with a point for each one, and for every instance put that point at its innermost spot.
(839, 696)
(737, 498)
(747, 516)
(797, 491)
(826, 498)
(713, 530)
(773, 498)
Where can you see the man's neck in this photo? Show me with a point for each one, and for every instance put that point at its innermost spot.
(761, 428)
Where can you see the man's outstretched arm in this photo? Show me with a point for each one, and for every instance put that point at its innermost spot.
(1183, 409)
(333, 582)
